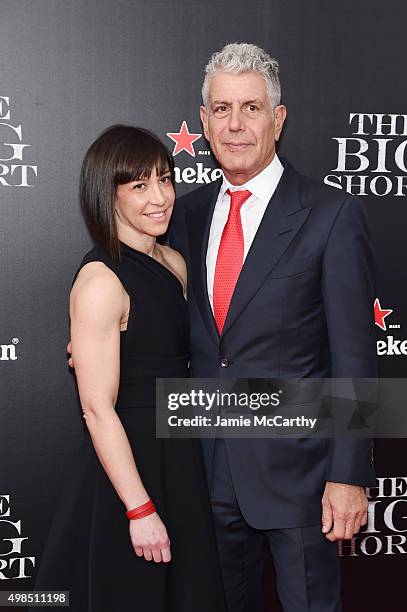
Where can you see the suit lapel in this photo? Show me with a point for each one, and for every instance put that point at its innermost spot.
(198, 219)
(281, 222)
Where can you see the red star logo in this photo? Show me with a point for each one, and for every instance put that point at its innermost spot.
(380, 314)
(183, 140)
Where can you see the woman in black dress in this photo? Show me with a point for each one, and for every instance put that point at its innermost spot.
(133, 530)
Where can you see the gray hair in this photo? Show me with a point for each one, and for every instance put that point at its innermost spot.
(237, 58)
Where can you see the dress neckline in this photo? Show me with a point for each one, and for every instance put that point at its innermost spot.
(132, 251)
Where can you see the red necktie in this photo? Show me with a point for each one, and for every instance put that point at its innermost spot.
(230, 258)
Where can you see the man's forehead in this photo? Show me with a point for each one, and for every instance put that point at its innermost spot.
(247, 86)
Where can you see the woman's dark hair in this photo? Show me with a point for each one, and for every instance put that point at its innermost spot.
(121, 154)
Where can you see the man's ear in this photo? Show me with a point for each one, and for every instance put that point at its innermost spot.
(204, 119)
(280, 113)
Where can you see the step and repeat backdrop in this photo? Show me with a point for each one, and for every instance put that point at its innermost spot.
(69, 69)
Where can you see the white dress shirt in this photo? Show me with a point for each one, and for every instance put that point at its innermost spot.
(262, 188)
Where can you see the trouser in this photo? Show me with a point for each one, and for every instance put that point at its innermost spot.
(306, 563)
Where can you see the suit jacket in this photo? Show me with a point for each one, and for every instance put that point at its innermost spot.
(302, 307)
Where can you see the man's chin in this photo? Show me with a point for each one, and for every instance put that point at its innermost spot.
(235, 163)
(236, 170)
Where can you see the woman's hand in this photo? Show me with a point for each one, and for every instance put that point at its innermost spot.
(150, 539)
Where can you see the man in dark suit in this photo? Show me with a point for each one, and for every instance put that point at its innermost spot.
(280, 275)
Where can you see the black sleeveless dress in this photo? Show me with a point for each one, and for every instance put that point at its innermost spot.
(89, 551)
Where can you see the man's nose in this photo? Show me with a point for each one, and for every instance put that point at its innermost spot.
(235, 120)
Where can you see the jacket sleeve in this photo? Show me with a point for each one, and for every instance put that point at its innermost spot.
(348, 281)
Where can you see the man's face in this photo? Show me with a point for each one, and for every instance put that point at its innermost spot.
(240, 125)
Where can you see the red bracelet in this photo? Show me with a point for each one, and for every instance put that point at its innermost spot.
(141, 511)
(143, 514)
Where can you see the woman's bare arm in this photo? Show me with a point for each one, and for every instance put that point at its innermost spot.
(96, 307)
(97, 304)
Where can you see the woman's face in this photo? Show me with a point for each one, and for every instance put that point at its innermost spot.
(145, 206)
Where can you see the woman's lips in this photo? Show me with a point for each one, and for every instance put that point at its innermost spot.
(158, 215)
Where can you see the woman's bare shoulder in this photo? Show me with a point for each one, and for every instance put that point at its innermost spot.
(175, 262)
(97, 288)
(96, 273)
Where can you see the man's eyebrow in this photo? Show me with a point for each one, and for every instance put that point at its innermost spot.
(254, 101)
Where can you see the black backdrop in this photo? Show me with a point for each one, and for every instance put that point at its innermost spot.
(68, 69)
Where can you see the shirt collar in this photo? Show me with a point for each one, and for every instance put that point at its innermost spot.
(262, 185)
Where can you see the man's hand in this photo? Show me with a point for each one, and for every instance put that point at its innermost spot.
(344, 510)
(69, 351)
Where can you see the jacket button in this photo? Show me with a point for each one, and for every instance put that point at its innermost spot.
(224, 362)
